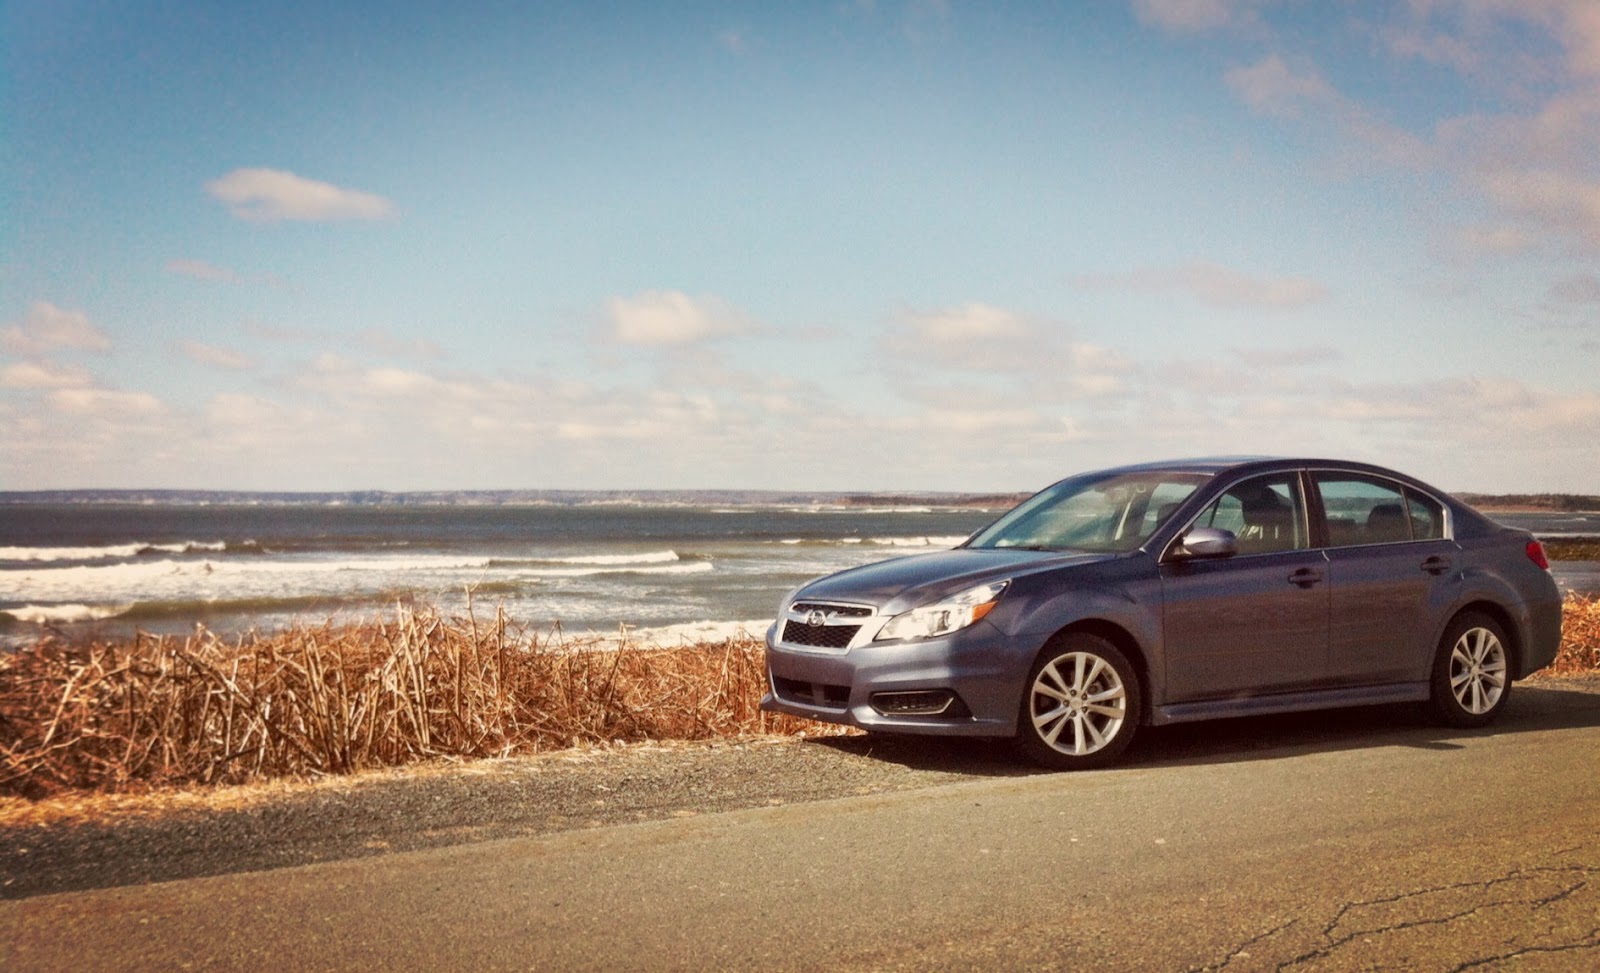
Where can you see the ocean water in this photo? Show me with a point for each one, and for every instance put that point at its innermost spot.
(674, 570)
(696, 567)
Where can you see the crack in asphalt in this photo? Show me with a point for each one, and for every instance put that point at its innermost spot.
(1564, 893)
(1420, 909)
(1242, 950)
(1592, 941)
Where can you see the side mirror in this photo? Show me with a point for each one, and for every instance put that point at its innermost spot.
(1207, 542)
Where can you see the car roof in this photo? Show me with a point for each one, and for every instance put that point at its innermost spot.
(1214, 465)
(1195, 464)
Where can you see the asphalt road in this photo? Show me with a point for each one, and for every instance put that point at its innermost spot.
(1369, 843)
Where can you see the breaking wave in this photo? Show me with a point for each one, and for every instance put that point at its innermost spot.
(112, 551)
(939, 543)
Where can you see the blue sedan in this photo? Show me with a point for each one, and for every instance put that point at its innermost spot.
(1171, 592)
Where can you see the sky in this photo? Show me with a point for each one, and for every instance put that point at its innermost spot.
(842, 245)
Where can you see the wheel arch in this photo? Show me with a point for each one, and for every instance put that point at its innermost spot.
(1125, 643)
(1507, 622)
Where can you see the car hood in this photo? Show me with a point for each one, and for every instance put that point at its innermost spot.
(903, 583)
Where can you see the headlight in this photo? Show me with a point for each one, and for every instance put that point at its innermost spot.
(945, 616)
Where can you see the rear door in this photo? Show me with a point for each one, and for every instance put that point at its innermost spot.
(1393, 576)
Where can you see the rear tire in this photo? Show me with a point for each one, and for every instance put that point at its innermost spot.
(1471, 678)
(1080, 706)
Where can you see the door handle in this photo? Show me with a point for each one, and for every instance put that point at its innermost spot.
(1305, 577)
(1436, 564)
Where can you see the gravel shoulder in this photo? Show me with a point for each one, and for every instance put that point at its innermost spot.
(113, 840)
(103, 841)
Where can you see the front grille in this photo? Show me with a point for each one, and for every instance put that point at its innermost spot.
(843, 611)
(819, 636)
(811, 693)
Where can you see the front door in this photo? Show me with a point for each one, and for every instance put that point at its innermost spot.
(1256, 622)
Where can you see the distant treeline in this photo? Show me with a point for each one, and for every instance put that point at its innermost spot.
(1003, 500)
(1564, 502)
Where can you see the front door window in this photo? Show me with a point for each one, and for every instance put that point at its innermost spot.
(1265, 514)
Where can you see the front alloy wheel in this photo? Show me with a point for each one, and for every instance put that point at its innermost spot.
(1472, 672)
(1080, 707)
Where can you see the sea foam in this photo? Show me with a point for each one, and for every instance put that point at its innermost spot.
(651, 557)
(107, 552)
(62, 614)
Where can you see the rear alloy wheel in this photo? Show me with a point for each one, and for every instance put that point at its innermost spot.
(1080, 706)
(1472, 672)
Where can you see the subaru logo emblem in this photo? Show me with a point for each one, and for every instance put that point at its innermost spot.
(817, 617)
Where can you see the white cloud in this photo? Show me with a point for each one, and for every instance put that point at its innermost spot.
(1532, 172)
(1434, 47)
(1580, 289)
(1582, 35)
(1471, 35)
(1498, 414)
(201, 270)
(971, 337)
(1271, 87)
(48, 328)
(967, 327)
(1035, 360)
(400, 382)
(276, 333)
(1288, 357)
(341, 424)
(241, 410)
(1562, 202)
(385, 343)
(968, 421)
(271, 195)
(1191, 16)
(1497, 238)
(672, 318)
(42, 375)
(1212, 284)
(217, 357)
(108, 403)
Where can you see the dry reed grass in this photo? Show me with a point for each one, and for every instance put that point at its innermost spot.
(1580, 637)
(317, 701)
(313, 701)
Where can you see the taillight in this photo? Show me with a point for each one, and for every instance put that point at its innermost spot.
(1536, 555)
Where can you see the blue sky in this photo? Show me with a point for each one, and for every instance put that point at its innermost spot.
(901, 244)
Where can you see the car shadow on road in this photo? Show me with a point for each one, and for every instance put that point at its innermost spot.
(1533, 707)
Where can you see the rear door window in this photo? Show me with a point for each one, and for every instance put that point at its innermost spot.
(1369, 510)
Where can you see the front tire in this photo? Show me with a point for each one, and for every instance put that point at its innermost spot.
(1471, 678)
(1080, 705)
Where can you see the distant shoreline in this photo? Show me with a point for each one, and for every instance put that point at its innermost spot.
(512, 498)
(1488, 503)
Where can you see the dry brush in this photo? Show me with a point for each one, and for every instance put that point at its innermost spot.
(309, 701)
(417, 686)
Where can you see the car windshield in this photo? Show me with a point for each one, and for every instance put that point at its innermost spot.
(1094, 512)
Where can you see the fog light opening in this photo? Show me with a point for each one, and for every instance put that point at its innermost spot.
(922, 702)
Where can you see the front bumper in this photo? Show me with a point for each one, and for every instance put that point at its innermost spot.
(867, 686)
